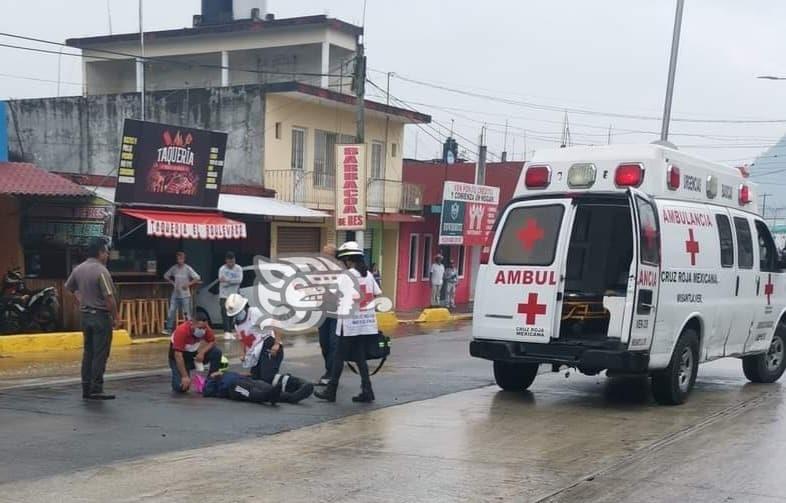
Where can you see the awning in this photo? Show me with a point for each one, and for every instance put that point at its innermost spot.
(394, 217)
(265, 206)
(245, 205)
(189, 225)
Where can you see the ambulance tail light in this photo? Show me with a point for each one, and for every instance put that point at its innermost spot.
(673, 177)
(485, 252)
(537, 177)
(629, 175)
(745, 195)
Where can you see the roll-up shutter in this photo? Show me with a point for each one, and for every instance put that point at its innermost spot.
(298, 239)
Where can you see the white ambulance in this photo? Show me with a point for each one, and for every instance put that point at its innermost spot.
(635, 259)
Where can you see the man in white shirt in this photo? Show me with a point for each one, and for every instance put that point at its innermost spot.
(182, 277)
(437, 274)
(230, 275)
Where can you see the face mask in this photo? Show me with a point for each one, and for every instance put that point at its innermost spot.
(199, 332)
(240, 317)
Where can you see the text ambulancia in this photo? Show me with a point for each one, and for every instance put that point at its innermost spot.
(633, 259)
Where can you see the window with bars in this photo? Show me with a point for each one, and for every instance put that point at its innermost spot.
(298, 148)
(325, 156)
(377, 160)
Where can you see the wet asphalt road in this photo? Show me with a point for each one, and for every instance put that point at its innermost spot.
(46, 430)
(437, 433)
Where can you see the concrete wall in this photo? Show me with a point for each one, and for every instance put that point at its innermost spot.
(3, 133)
(82, 134)
(109, 77)
(294, 59)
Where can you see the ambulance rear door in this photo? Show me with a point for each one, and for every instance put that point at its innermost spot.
(519, 290)
(642, 298)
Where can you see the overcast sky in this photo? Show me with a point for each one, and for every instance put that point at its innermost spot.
(600, 56)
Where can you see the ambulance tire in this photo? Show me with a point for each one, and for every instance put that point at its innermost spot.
(768, 367)
(672, 385)
(515, 376)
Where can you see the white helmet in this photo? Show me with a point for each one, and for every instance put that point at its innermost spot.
(349, 249)
(234, 304)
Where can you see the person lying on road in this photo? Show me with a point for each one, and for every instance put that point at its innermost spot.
(192, 342)
(241, 387)
(264, 351)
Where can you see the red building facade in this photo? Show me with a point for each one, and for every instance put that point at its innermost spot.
(419, 241)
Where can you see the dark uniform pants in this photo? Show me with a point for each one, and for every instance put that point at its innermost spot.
(356, 347)
(97, 332)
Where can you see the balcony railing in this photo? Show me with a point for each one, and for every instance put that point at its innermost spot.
(318, 190)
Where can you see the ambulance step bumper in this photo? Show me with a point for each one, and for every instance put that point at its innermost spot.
(613, 356)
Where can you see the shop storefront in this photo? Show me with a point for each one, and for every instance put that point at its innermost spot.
(46, 222)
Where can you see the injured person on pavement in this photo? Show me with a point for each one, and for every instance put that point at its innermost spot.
(236, 386)
(263, 350)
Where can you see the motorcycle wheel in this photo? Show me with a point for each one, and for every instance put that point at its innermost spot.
(45, 319)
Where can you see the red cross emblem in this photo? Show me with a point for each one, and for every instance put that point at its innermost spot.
(650, 235)
(769, 289)
(692, 247)
(365, 297)
(529, 234)
(532, 309)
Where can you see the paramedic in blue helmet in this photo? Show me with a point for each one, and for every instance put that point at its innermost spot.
(263, 350)
(351, 331)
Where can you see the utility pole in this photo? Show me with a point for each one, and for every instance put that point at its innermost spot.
(480, 173)
(565, 132)
(360, 92)
(675, 46)
(505, 143)
(141, 63)
(609, 134)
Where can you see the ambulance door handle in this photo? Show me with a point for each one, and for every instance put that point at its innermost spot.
(758, 283)
(559, 296)
(737, 291)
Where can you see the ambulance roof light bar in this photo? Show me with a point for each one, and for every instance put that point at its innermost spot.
(538, 176)
(673, 177)
(629, 174)
(745, 195)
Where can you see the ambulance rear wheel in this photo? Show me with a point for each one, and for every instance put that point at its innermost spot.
(515, 376)
(672, 385)
(768, 367)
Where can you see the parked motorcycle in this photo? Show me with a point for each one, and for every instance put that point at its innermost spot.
(23, 310)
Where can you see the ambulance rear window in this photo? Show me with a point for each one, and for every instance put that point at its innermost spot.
(529, 236)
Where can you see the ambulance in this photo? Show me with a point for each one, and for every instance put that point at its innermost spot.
(634, 259)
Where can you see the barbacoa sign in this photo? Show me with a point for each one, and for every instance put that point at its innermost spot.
(170, 165)
(468, 213)
(350, 187)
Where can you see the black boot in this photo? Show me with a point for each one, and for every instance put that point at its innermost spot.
(329, 393)
(366, 395)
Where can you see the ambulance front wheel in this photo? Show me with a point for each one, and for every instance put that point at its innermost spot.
(515, 376)
(768, 367)
(672, 385)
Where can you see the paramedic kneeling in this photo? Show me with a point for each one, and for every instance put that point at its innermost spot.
(192, 341)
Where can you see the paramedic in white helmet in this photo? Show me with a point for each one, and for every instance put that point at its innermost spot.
(351, 331)
(262, 346)
(264, 350)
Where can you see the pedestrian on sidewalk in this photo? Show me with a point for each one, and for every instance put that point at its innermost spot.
(230, 275)
(264, 350)
(351, 331)
(91, 283)
(327, 330)
(437, 277)
(451, 282)
(192, 342)
(182, 277)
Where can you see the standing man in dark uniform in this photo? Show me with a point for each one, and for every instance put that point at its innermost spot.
(91, 283)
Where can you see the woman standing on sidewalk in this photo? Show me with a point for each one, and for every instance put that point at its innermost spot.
(352, 331)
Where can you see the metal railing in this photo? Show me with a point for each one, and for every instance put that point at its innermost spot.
(316, 189)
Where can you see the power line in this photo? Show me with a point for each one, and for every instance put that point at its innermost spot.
(581, 111)
(23, 77)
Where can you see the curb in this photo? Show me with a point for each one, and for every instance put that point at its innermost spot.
(55, 341)
(149, 340)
